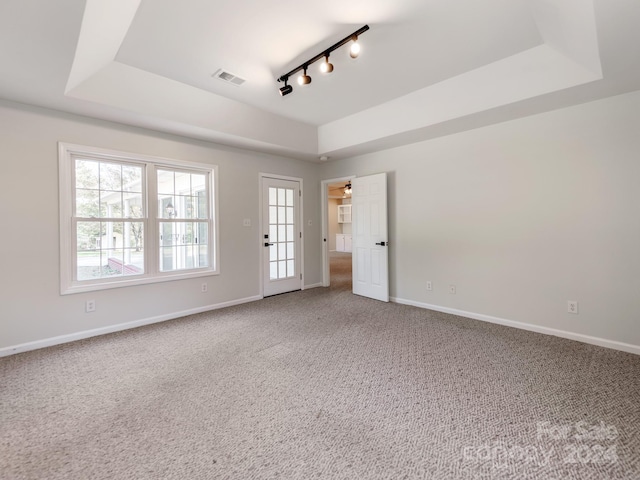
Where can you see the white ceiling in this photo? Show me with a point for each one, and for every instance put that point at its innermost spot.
(427, 67)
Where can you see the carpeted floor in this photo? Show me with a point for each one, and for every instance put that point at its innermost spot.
(321, 384)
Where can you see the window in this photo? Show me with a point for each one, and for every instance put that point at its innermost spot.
(127, 219)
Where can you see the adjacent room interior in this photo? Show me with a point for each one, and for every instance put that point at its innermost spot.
(363, 240)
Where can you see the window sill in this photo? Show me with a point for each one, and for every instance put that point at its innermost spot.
(131, 282)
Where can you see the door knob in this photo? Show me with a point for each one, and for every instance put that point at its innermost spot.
(382, 244)
(267, 244)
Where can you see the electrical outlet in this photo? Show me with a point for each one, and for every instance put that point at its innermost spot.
(452, 289)
(572, 306)
(429, 286)
(204, 287)
(90, 306)
(246, 222)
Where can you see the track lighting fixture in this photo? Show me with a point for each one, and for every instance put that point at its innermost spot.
(304, 79)
(347, 188)
(287, 89)
(354, 51)
(326, 66)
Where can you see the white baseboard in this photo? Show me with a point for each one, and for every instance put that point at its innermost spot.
(313, 285)
(72, 337)
(601, 342)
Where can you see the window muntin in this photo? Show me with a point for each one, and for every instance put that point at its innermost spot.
(129, 219)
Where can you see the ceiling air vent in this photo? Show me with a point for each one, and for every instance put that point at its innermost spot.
(229, 77)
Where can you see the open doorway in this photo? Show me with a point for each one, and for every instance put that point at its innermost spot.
(337, 234)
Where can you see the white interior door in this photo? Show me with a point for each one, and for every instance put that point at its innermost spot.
(281, 236)
(370, 252)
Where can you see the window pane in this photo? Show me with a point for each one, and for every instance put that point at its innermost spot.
(290, 215)
(88, 236)
(281, 197)
(110, 176)
(289, 197)
(132, 179)
(290, 237)
(111, 204)
(282, 251)
(133, 206)
(87, 174)
(273, 253)
(282, 269)
(203, 205)
(182, 183)
(203, 256)
(273, 270)
(273, 233)
(190, 207)
(290, 250)
(273, 214)
(281, 215)
(273, 199)
(166, 207)
(291, 268)
(88, 265)
(198, 182)
(282, 232)
(165, 183)
(203, 233)
(87, 204)
(183, 245)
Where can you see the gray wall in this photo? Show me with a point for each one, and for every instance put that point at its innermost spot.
(31, 307)
(522, 217)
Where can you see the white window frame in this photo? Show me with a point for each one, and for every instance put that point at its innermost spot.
(152, 274)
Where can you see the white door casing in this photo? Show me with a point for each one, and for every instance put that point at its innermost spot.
(281, 236)
(370, 251)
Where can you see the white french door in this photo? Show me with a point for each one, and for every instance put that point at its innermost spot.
(281, 236)
(370, 251)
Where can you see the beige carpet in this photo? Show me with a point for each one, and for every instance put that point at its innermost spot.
(321, 384)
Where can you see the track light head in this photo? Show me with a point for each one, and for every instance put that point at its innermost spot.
(304, 79)
(354, 51)
(287, 89)
(326, 66)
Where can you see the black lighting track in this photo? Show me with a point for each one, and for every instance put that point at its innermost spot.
(324, 53)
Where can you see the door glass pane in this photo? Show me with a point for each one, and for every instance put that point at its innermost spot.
(281, 232)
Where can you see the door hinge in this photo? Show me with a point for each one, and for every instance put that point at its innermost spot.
(300, 234)
(300, 276)
(299, 193)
